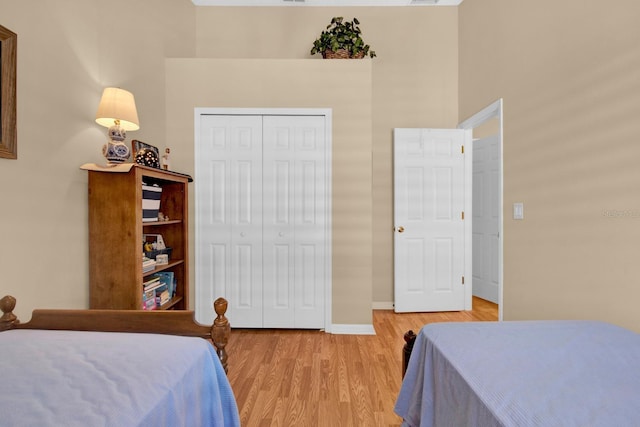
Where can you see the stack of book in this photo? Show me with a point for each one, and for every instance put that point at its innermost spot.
(162, 297)
(157, 290)
(148, 264)
(150, 290)
(168, 279)
(149, 300)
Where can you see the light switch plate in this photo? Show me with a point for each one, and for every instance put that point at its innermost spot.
(518, 210)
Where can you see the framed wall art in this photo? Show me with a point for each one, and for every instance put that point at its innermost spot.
(8, 134)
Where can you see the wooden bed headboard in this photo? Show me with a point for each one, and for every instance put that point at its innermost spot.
(170, 322)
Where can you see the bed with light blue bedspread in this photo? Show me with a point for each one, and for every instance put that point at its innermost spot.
(71, 378)
(538, 373)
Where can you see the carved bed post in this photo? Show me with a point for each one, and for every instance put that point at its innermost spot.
(221, 330)
(8, 319)
(410, 339)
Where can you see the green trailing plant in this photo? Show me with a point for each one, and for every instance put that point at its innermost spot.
(342, 35)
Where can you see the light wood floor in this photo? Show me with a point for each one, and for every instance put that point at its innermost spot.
(311, 378)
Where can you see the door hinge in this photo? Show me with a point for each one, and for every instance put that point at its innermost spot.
(463, 280)
(462, 149)
(462, 215)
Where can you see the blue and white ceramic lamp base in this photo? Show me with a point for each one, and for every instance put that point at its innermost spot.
(115, 150)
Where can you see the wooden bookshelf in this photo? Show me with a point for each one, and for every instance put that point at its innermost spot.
(116, 232)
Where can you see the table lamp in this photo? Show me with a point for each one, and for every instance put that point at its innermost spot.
(117, 111)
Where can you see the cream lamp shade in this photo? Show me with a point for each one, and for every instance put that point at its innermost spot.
(117, 111)
(118, 104)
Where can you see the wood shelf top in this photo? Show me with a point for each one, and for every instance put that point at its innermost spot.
(169, 304)
(156, 223)
(162, 267)
(126, 167)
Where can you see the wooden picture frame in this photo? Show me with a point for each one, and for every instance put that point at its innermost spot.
(8, 65)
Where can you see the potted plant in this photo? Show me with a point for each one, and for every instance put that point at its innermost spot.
(342, 39)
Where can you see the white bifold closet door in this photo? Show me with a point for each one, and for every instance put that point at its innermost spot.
(260, 219)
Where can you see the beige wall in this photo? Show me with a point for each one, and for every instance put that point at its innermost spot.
(568, 73)
(566, 70)
(256, 83)
(68, 51)
(415, 80)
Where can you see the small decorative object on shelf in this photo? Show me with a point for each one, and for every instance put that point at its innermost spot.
(153, 241)
(145, 154)
(155, 248)
(147, 157)
(342, 40)
(166, 163)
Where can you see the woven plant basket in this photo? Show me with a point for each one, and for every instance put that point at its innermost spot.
(341, 54)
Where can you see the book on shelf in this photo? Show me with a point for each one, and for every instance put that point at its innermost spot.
(162, 297)
(148, 264)
(158, 289)
(151, 280)
(153, 283)
(149, 300)
(168, 278)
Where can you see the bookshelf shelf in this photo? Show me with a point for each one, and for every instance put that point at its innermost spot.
(116, 230)
(160, 223)
(171, 303)
(164, 267)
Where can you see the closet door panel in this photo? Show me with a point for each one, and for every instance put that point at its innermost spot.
(229, 208)
(310, 222)
(278, 225)
(295, 220)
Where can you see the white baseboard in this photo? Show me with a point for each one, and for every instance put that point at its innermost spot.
(343, 329)
(382, 305)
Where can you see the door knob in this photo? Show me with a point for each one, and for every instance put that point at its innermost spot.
(400, 229)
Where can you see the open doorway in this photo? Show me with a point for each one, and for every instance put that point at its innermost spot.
(487, 202)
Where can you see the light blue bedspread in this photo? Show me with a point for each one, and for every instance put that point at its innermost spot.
(541, 373)
(63, 378)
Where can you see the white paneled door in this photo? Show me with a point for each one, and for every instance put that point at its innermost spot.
(229, 217)
(261, 219)
(429, 201)
(293, 221)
